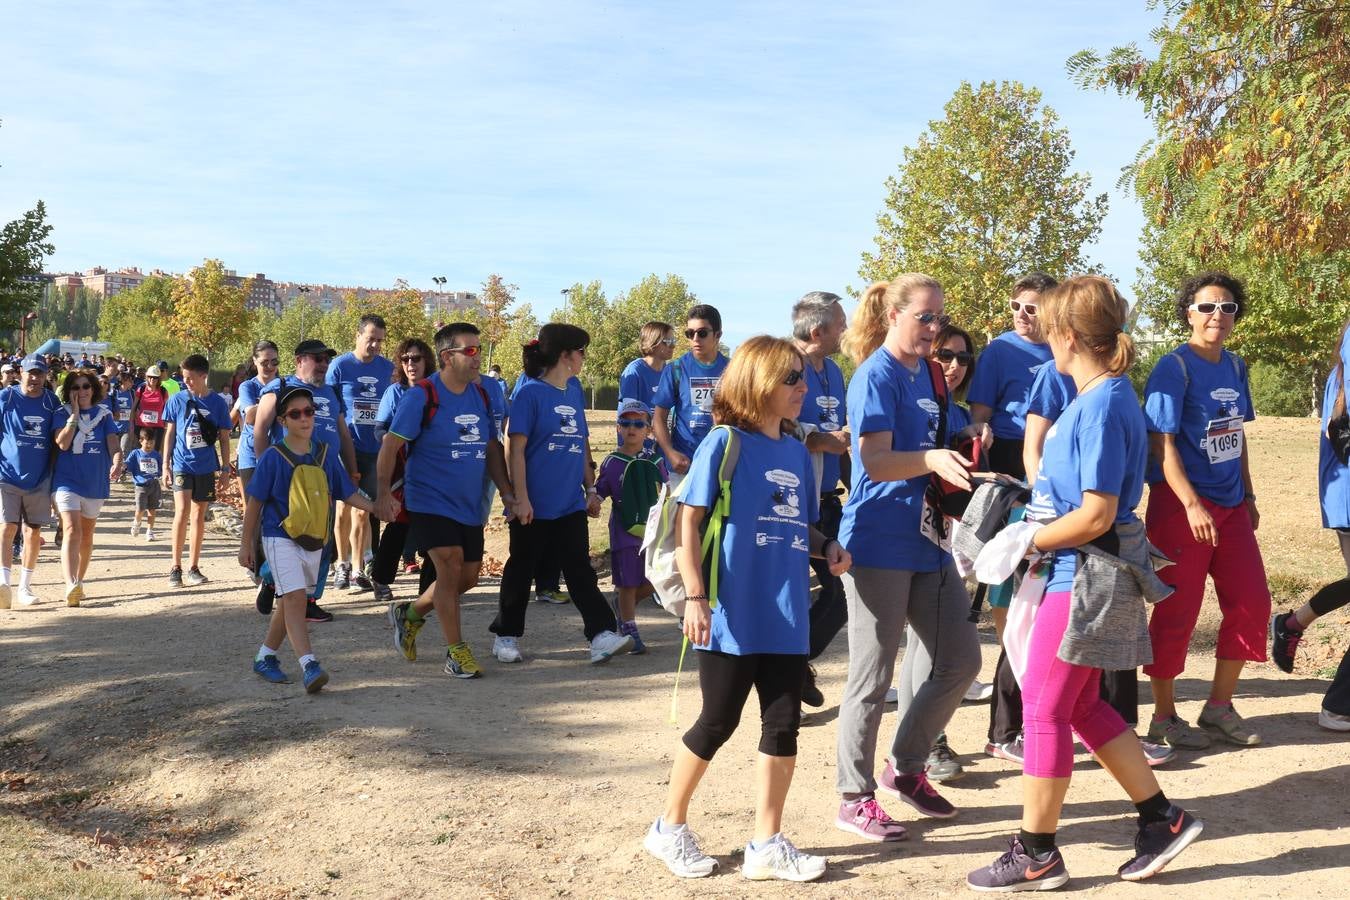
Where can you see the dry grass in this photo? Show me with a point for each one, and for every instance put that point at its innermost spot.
(37, 864)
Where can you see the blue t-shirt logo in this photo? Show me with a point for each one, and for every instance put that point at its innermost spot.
(567, 419)
(35, 426)
(829, 412)
(786, 501)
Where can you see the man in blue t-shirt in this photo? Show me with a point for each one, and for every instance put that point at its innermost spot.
(195, 420)
(818, 324)
(26, 412)
(685, 395)
(360, 378)
(452, 444)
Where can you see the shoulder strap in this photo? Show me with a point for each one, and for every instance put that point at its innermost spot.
(321, 454)
(286, 454)
(939, 382)
(1185, 373)
(433, 402)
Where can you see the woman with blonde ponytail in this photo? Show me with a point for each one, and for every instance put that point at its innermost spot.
(1091, 617)
(902, 571)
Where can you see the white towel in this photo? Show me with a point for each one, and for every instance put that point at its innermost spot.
(1000, 556)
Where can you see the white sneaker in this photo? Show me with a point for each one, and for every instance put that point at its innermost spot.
(149, 535)
(1333, 721)
(135, 529)
(506, 650)
(679, 850)
(27, 597)
(606, 644)
(779, 859)
(978, 692)
(892, 694)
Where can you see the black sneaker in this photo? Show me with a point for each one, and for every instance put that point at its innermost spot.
(316, 613)
(1158, 843)
(943, 764)
(195, 577)
(360, 583)
(1283, 642)
(1018, 870)
(811, 694)
(176, 577)
(267, 595)
(342, 577)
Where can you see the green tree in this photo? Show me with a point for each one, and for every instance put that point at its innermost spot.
(1249, 170)
(23, 246)
(209, 311)
(402, 311)
(586, 307)
(497, 298)
(653, 299)
(985, 196)
(132, 322)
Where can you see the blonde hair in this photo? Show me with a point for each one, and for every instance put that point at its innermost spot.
(756, 369)
(652, 334)
(868, 329)
(1091, 309)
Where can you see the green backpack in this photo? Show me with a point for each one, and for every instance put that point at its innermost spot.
(310, 520)
(639, 486)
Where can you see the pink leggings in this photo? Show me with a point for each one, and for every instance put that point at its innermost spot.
(1059, 699)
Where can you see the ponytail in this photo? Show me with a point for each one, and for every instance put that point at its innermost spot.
(555, 339)
(1091, 309)
(1123, 356)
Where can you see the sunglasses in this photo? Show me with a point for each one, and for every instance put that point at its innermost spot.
(964, 357)
(699, 333)
(632, 423)
(1227, 307)
(269, 363)
(669, 342)
(928, 318)
(467, 351)
(794, 376)
(411, 358)
(81, 387)
(304, 412)
(1018, 306)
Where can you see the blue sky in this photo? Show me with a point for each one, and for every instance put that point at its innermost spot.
(742, 146)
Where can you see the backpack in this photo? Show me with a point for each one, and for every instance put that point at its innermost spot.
(309, 521)
(659, 540)
(429, 410)
(639, 489)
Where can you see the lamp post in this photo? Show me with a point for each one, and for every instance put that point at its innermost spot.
(23, 331)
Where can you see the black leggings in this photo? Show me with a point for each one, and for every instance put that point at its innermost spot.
(389, 551)
(1331, 597)
(725, 683)
(569, 539)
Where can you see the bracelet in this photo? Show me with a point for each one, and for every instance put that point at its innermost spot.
(703, 597)
(828, 542)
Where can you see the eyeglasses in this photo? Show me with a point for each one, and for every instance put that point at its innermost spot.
(269, 363)
(304, 412)
(467, 351)
(794, 376)
(81, 387)
(320, 357)
(411, 358)
(964, 357)
(1227, 307)
(1018, 306)
(669, 342)
(699, 333)
(632, 423)
(927, 318)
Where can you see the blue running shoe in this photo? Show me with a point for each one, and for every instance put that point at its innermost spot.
(269, 667)
(315, 677)
(630, 629)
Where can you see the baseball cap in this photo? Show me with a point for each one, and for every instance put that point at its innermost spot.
(634, 406)
(305, 348)
(291, 391)
(33, 361)
(153, 372)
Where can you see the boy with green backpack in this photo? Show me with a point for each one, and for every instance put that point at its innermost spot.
(633, 482)
(291, 497)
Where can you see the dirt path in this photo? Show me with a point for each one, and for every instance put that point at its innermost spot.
(138, 715)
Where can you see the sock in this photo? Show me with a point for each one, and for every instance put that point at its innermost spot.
(414, 616)
(307, 659)
(25, 579)
(631, 623)
(4, 575)
(1215, 704)
(1154, 809)
(664, 827)
(1292, 623)
(1037, 843)
(760, 845)
(264, 650)
(1159, 717)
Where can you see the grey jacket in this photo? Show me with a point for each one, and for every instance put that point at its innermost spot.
(1108, 628)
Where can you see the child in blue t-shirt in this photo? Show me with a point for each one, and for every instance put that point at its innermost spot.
(625, 549)
(295, 569)
(146, 465)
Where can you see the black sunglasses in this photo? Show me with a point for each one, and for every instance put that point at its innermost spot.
(699, 333)
(964, 357)
(794, 376)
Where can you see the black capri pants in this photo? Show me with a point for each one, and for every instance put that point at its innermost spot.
(725, 681)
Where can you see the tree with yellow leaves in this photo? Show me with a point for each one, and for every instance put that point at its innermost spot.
(210, 308)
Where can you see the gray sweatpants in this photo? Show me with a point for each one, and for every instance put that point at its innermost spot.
(880, 602)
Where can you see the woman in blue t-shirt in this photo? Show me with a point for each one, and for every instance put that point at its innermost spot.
(1202, 513)
(903, 572)
(641, 377)
(412, 362)
(266, 360)
(755, 631)
(89, 455)
(1091, 477)
(548, 458)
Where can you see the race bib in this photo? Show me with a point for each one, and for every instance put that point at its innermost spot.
(364, 413)
(150, 468)
(933, 528)
(701, 393)
(1223, 439)
(194, 437)
(149, 417)
(123, 415)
